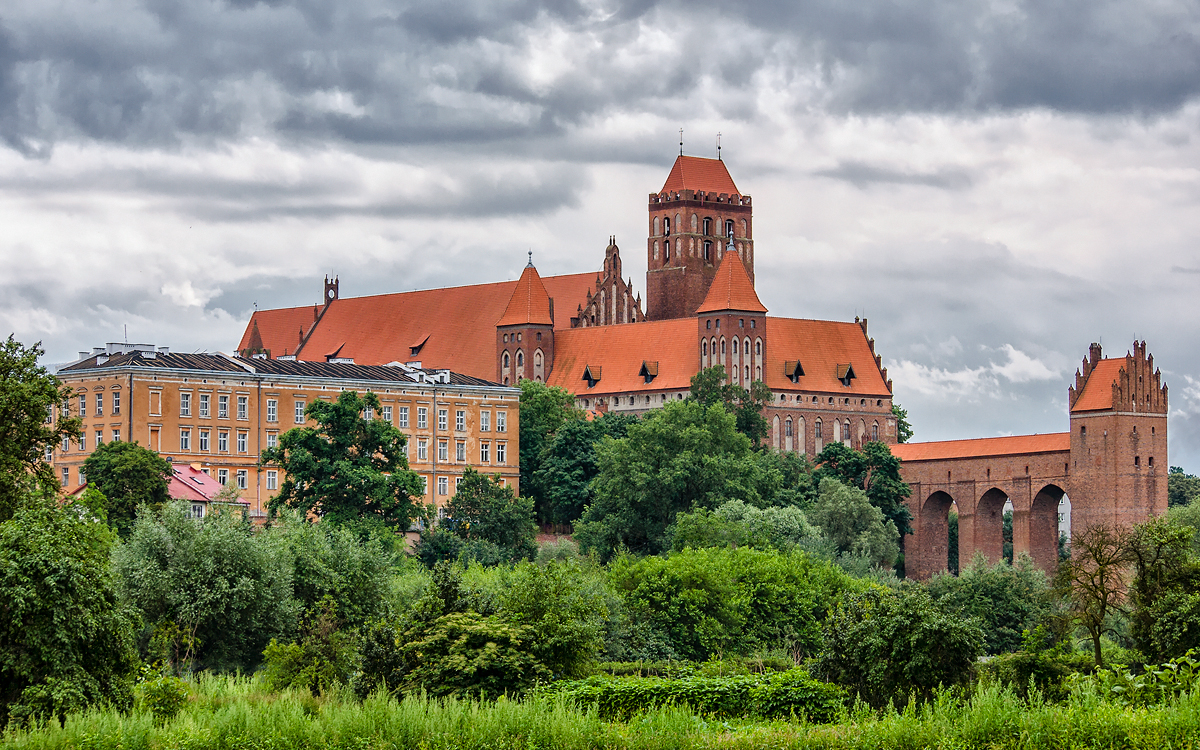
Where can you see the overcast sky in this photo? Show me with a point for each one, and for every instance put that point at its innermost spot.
(994, 184)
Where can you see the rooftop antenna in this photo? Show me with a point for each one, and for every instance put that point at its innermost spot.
(718, 146)
(681, 141)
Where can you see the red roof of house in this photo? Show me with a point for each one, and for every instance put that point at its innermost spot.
(1054, 442)
(695, 173)
(618, 352)
(530, 304)
(821, 347)
(279, 329)
(456, 324)
(731, 288)
(1097, 391)
(192, 484)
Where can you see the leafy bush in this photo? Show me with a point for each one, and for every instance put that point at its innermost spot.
(718, 668)
(1155, 685)
(563, 608)
(737, 524)
(323, 657)
(781, 695)
(846, 515)
(1006, 599)
(163, 695)
(1045, 669)
(884, 645)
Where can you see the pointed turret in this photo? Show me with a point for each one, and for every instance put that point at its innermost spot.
(525, 332)
(529, 304)
(731, 289)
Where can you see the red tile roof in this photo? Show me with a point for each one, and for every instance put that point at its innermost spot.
(695, 173)
(618, 351)
(821, 347)
(279, 329)
(1097, 391)
(457, 324)
(731, 288)
(530, 304)
(192, 484)
(1054, 442)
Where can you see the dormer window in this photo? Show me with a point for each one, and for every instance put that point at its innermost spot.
(649, 371)
(792, 370)
(845, 373)
(591, 375)
(416, 347)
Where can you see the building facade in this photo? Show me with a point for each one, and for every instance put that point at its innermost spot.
(221, 412)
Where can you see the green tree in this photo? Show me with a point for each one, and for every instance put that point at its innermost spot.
(484, 509)
(347, 469)
(856, 527)
(568, 465)
(1094, 580)
(130, 477)
(904, 431)
(544, 411)
(29, 398)
(736, 524)
(321, 659)
(683, 456)
(875, 471)
(563, 611)
(1188, 515)
(708, 387)
(1182, 489)
(889, 645)
(210, 591)
(1164, 599)
(65, 640)
(1006, 599)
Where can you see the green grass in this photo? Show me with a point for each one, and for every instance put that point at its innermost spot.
(228, 713)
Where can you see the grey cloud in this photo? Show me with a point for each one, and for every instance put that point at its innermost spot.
(862, 175)
(1182, 269)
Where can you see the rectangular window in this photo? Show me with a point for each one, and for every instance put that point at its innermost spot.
(272, 410)
(99, 404)
(443, 450)
(222, 476)
(204, 440)
(82, 478)
(272, 479)
(243, 439)
(443, 485)
(501, 421)
(501, 451)
(156, 403)
(204, 401)
(223, 441)
(422, 417)
(407, 444)
(116, 399)
(368, 413)
(66, 444)
(185, 439)
(485, 421)
(460, 451)
(457, 484)
(222, 407)
(387, 414)
(422, 450)
(99, 438)
(185, 404)
(485, 453)
(241, 479)
(299, 418)
(116, 436)
(243, 403)
(424, 485)
(83, 441)
(197, 510)
(460, 420)
(403, 418)
(66, 477)
(49, 415)
(49, 453)
(272, 440)
(443, 419)
(83, 405)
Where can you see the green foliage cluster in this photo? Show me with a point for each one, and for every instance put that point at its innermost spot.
(322, 659)
(544, 411)
(1007, 600)
(129, 477)
(895, 645)
(484, 521)
(738, 524)
(875, 471)
(721, 668)
(568, 464)
(855, 525)
(708, 388)
(1036, 666)
(781, 695)
(162, 695)
(1182, 488)
(1156, 684)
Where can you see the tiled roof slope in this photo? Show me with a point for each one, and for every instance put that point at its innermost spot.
(1054, 442)
(1098, 391)
(619, 351)
(279, 329)
(820, 346)
(530, 304)
(695, 173)
(731, 288)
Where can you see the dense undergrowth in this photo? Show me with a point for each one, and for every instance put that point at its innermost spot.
(228, 713)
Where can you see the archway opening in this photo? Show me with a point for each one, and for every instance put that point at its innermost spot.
(989, 537)
(1043, 527)
(934, 553)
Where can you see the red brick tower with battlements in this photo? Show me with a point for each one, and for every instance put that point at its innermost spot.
(694, 219)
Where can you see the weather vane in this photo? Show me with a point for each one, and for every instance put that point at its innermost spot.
(681, 141)
(718, 145)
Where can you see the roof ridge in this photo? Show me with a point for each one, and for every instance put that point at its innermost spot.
(530, 303)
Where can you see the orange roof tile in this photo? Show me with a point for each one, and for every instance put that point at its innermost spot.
(457, 324)
(821, 347)
(696, 173)
(1054, 442)
(1097, 391)
(617, 353)
(731, 288)
(530, 304)
(279, 329)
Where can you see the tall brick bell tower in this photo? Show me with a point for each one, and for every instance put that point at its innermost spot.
(694, 220)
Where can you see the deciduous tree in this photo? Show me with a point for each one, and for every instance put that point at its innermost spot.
(544, 410)
(1094, 579)
(875, 471)
(708, 387)
(129, 476)
(568, 465)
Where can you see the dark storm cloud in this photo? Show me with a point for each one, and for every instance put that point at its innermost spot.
(425, 72)
(862, 175)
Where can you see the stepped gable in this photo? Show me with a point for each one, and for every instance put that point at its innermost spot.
(1011, 445)
(821, 347)
(279, 331)
(699, 174)
(731, 289)
(529, 304)
(1130, 382)
(618, 353)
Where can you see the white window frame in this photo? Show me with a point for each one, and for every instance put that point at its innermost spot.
(243, 408)
(422, 449)
(501, 421)
(185, 438)
(185, 404)
(243, 441)
(99, 404)
(272, 410)
(272, 479)
(222, 477)
(460, 420)
(443, 485)
(272, 439)
(485, 421)
(205, 405)
(298, 411)
(443, 422)
(485, 453)
(205, 440)
(243, 479)
(387, 414)
(222, 406)
(403, 422)
(460, 451)
(501, 453)
(443, 450)
(222, 441)
(422, 417)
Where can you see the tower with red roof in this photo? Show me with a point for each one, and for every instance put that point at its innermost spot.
(525, 332)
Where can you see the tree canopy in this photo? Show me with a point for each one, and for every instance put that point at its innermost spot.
(904, 431)
(485, 509)
(347, 469)
(544, 411)
(875, 471)
(29, 427)
(709, 387)
(1182, 488)
(129, 476)
(854, 524)
(568, 464)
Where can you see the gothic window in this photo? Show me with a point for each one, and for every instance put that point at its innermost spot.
(722, 347)
(693, 222)
(787, 428)
(745, 231)
(506, 359)
(728, 227)
(708, 226)
(757, 344)
(656, 231)
(747, 371)
(735, 346)
(678, 223)
(846, 432)
(704, 348)
(875, 432)
(520, 358)
(817, 430)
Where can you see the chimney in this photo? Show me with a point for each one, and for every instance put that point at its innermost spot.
(1095, 353)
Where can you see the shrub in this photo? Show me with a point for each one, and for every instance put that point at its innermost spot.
(163, 695)
(564, 610)
(884, 645)
(769, 696)
(1157, 684)
(1045, 669)
(1006, 599)
(324, 657)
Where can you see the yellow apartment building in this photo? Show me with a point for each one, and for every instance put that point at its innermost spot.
(222, 411)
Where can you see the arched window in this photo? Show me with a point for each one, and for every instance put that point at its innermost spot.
(758, 346)
(722, 346)
(708, 250)
(745, 230)
(693, 222)
(520, 358)
(817, 430)
(655, 226)
(787, 427)
(875, 432)
(678, 225)
(666, 226)
(747, 370)
(506, 359)
(735, 346)
(708, 226)
(846, 431)
(728, 227)
(704, 348)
